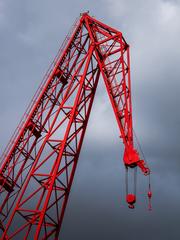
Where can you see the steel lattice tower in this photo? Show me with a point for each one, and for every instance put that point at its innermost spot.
(45, 148)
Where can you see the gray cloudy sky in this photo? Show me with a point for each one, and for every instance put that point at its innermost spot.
(30, 35)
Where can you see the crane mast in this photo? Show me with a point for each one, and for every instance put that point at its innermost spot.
(39, 163)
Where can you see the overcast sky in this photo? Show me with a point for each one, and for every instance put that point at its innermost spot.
(30, 35)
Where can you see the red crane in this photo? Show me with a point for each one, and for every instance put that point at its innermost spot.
(39, 163)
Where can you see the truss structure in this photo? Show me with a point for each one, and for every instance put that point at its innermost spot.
(39, 163)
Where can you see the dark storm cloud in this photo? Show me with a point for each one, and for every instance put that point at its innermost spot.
(30, 33)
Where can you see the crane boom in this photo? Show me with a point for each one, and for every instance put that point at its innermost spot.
(38, 166)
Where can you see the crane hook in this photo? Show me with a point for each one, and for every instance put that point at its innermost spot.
(131, 197)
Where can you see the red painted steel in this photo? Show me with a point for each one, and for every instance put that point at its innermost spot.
(39, 163)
